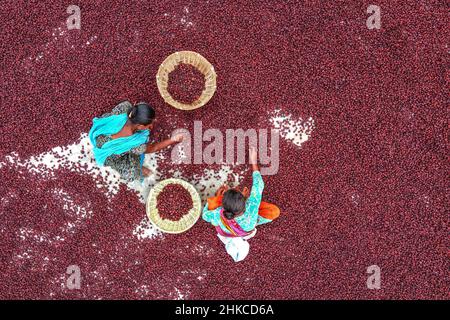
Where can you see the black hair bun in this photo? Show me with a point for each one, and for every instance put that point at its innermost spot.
(228, 215)
(142, 114)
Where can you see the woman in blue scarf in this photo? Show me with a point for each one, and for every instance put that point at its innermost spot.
(120, 139)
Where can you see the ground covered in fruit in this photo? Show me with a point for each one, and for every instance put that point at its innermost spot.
(361, 182)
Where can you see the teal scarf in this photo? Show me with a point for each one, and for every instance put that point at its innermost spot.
(112, 125)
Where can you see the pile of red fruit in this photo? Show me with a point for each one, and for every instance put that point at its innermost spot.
(186, 83)
(173, 202)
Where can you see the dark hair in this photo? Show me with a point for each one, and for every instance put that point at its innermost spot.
(141, 113)
(233, 203)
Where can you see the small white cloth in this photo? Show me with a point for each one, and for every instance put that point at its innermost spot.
(237, 247)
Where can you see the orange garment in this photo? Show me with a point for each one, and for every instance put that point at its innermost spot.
(266, 210)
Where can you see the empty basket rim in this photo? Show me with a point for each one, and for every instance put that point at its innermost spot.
(168, 226)
(195, 59)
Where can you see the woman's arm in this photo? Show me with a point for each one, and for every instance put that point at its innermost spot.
(249, 219)
(155, 147)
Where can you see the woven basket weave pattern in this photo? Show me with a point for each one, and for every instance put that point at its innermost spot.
(196, 60)
(168, 226)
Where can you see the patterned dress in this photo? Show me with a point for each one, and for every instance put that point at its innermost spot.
(250, 218)
(128, 163)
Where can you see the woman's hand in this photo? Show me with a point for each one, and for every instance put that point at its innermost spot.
(246, 192)
(221, 190)
(177, 138)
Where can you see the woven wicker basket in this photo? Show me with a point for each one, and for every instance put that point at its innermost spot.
(169, 226)
(196, 60)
